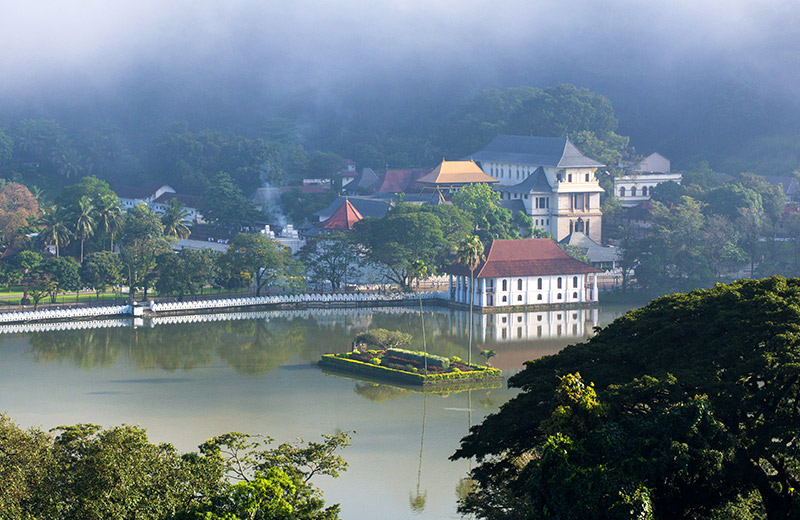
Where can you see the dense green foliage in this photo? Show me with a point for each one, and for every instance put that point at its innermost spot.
(88, 472)
(692, 407)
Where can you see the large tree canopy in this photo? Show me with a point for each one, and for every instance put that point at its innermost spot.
(692, 409)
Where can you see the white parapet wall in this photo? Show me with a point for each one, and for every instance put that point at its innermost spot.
(327, 300)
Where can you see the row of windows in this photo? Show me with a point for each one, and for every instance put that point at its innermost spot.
(539, 283)
(560, 177)
(539, 297)
(622, 191)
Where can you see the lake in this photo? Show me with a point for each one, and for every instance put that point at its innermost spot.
(189, 378)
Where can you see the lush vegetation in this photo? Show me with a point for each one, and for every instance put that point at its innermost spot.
(686, 408)
(85, 471)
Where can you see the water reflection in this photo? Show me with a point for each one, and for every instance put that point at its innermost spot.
(256, 343)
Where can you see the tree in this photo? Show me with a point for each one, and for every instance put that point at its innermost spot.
(470, 255)
(18, 207)
(403, 236)
(83, 220)
(174, 218)
(63, 273)
(53, 228)
(667, 193)
(691, 408)
(253, 259)
(142, 240)
(226, 204)
(26, 261)
(101, 269)
(274, 483)
(331, 258)
(186, 272)
(109, 216)
(482, 204)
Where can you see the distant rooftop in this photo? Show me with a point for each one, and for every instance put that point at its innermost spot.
(456, 172)
(557, 152)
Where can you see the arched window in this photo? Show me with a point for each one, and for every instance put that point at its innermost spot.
(559, 283)
(575, 281)
(559, 296)
(622, 191)
(644, 191)
(539, 297)
(575, 295)
(519, 284)
(579, 225)
(519, 297)
(505, 285)
(633, 191)
(539, 284)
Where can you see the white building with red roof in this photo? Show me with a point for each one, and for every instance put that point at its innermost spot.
(526, 272)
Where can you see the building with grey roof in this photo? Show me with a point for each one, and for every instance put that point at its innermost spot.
(552, 179)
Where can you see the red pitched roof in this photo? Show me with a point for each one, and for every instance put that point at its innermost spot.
(343, 218)
(525, 257)
(401, 181)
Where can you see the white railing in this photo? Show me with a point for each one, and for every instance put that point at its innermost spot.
(60, 314)
(311, 298)
(326, 300)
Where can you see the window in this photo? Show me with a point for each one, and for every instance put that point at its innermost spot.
(559, 282)
(575, 295)
(622, 191)
(505, 286)
(539, 284)
(539, 297)
(559, 296)
(633, 191)
(644, 191)
(519, 319)
(505, 299)
(575, 281)
(519, 297)
(519, 284)
(519, 332)
(587, 177)
(569, 178)
(538, 317)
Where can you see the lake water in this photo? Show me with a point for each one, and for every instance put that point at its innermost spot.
(187, 379)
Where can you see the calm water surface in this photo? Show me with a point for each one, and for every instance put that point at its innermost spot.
(255, 373)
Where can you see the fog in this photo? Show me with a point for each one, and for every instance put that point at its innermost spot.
(668, 67)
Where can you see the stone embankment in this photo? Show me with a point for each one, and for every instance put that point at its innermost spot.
(155, 308)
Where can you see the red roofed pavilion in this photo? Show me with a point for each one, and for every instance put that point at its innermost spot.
(343, 218)
(531, 271)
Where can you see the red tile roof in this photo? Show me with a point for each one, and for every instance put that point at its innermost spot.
(343, 218)
(401, 181)
(525, 257)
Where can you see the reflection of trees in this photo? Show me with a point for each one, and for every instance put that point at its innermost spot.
(379, 393)
(172, 348)
(255, 347)
(86, 348)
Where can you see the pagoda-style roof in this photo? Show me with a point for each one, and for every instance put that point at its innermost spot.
(343, 218)
(525, 257)
(456, 173)
(556, 152)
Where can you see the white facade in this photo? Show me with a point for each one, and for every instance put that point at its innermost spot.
(636, 187)
(526, 290)
(126, 203)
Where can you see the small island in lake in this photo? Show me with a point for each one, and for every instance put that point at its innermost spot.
(387, 362)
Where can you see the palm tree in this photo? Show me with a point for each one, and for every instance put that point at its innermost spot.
(174, 218)
(84, 220)
(470, 254)
(54, 230)
(109, 214)
(488, 354)
(419, 270)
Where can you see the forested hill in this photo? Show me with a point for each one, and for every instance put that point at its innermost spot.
(51, 152)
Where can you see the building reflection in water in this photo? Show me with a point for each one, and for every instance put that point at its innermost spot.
(532, 325)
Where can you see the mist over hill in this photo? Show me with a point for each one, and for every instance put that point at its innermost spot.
(711, 80)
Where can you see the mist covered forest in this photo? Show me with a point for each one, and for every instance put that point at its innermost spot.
(274, 93)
